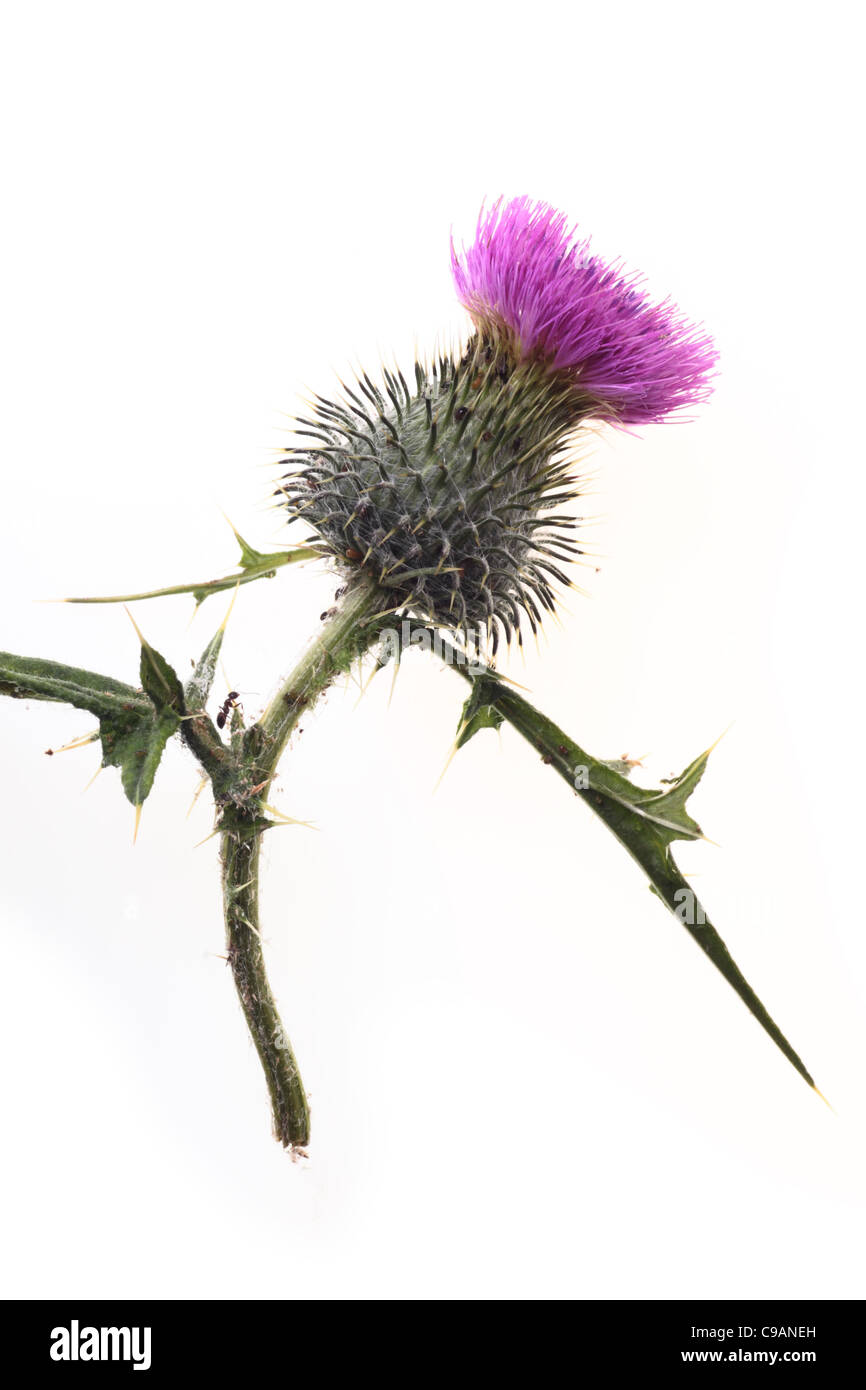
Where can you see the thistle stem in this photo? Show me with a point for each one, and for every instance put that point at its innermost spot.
(240, 871)
(345, 635)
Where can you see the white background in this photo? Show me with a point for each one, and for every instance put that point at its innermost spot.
(525, 1079)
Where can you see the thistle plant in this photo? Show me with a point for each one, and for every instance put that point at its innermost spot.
(444, 503)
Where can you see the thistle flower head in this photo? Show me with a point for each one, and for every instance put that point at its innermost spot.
(534, 284)
(443, 492)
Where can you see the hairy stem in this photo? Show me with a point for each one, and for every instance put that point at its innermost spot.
(345, 635)
(240, 871)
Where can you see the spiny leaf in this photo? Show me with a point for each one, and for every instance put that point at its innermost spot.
(139, 751)
(253, 564)
(251, 559)
(667, 809)
(136, 749)
(30, 677)
(664, 808)
(131, 730)
(160, 681)
(477, 714)
(198, 687)
(645, 821)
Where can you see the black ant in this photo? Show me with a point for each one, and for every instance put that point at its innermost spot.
(229, 703)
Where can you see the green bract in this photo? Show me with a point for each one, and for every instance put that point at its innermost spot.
(443, 495)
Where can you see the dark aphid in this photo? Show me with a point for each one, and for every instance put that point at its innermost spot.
(229, 703)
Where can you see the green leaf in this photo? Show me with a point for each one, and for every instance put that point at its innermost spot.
(132, 731)
(160, 681)
(136, 749)
(253, 564)
(666, 809)
(477, 715)
(198, 687)
(646, 821)
(662, 808)
(30, 677)
(251, 559)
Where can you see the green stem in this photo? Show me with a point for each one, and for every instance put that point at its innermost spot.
(345, 636)
(240, 873)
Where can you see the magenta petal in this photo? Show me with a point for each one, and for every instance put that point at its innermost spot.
(527, 274)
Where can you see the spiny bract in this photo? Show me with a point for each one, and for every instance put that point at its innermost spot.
(441, 494)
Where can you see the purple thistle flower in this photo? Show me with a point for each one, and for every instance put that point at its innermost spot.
(528, 280)
(443, 494)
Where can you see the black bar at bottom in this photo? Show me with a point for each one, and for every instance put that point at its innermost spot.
(152, 1338)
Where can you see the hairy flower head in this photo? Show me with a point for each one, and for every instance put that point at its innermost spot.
(444, 492)
(530, 281)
